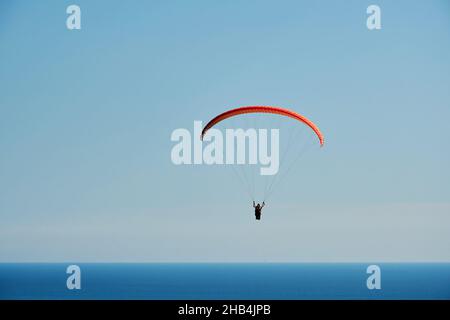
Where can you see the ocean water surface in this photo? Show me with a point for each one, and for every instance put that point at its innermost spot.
(224, 281)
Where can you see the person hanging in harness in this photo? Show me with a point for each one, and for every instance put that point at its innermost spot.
(258, 209)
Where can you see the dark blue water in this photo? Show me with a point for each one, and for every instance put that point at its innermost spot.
(224, 281)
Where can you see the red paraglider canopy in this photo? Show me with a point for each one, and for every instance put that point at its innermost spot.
(263, 109)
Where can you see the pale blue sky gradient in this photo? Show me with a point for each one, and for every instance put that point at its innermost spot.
(86, 118)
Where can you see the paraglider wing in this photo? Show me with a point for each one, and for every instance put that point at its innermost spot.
(263, 109)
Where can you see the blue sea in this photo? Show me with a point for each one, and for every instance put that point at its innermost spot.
(223, 281)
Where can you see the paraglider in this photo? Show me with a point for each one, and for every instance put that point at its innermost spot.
(268, 110)
(258, 209)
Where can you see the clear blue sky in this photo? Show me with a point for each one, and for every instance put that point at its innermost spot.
(86, 118)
